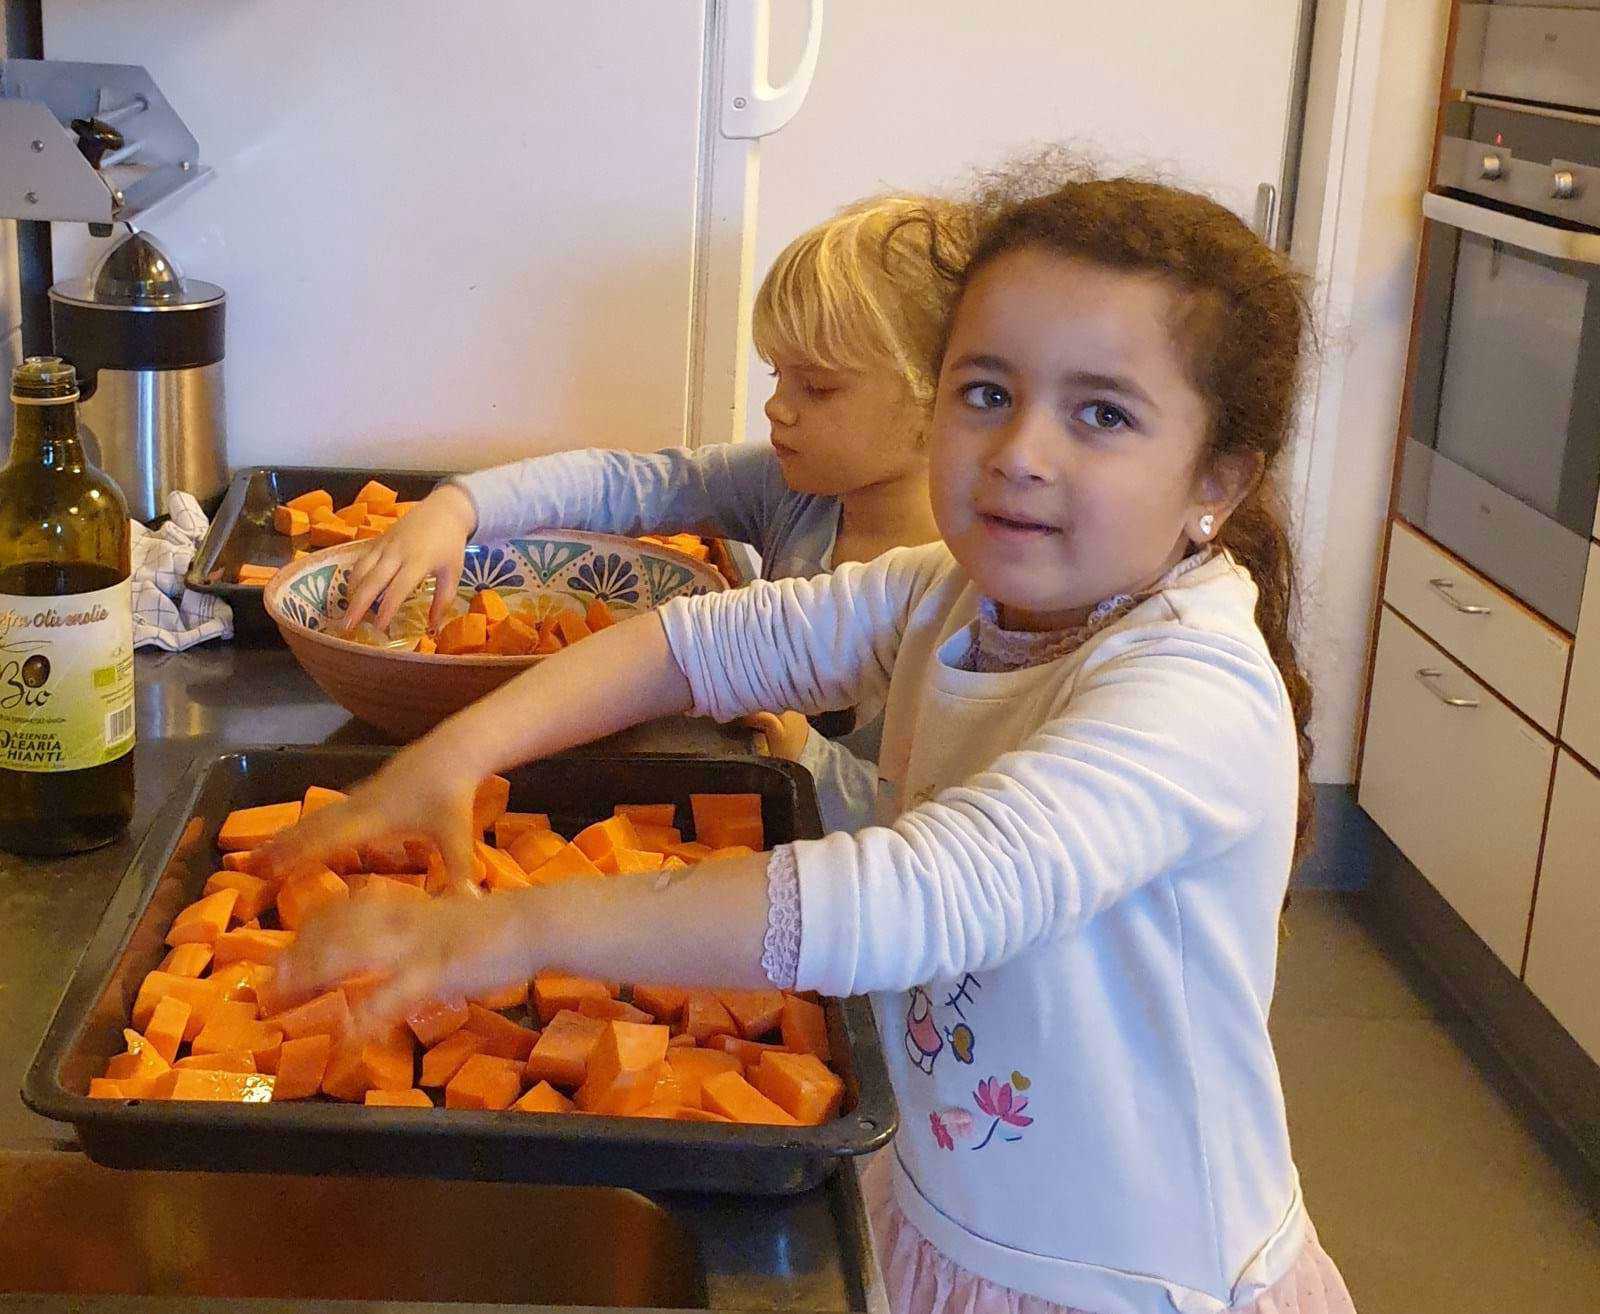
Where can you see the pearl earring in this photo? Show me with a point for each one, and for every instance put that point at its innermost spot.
(1208, 522)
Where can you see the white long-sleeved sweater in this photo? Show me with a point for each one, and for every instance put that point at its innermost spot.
(1069, 925)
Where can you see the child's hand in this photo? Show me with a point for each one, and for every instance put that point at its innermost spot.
(444, 949)
(428, 541)
(786, 733)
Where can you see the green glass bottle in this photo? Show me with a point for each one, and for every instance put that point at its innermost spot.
(66, 629)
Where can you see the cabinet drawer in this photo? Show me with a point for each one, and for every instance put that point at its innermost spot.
(1460, 786)
(1580, 728)
(1517, 653)
(1563, 965)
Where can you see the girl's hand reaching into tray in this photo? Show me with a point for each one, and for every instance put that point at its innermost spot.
(431, 540)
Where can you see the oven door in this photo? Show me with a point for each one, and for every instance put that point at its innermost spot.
(1502, 461)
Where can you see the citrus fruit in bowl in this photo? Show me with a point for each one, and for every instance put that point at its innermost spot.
(550, 581)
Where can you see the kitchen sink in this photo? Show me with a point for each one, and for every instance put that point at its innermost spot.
(68, 1226)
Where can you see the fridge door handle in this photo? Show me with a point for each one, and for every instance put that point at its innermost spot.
(751, 106)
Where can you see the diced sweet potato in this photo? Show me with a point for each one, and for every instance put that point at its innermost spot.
(203, 921)
(255, 894)
(138, 1063)
(402, 508)
(320, 515)
(237, 981)
(354, 514)
(166, 1027)
(462, 634)
(597, 616)
(646, 814)
(570, 626)
(332, 532)
(613, 1010)
(187, 960)
(502, 1037)
(732, 851)
(633, 862)
(386, 1060)
(502, 871)
(239, 860)
(227, 1060)
(301, 897)
(378, 497)
(233, 1026)
(756, 1011)
(549, 641)
(692, 1066)
(317, 798)
(705, 1016)
(601, 841)
(513, 637)
(731, 1095)
(439, 880)
(201, 996)
(624, 1068)
(489, 802)
(510, 825)
(543, 1098)
(804, 1027)
(290, 520)
(253, 574)
(308, 502)
(371, 885)
(259, 946)
(721, 820)
(103, 1088)
(748, 1052)
(345, 1077)
(250, 828)
(444, 1060)
(554, 991)
(398, 1099)
(484, 1082)
(431, 1023)
(426, 644)
(387, 857)
(514, 995)
(562, 1055)
(800, 1084)
(301, 1065)
(533, 848)
(691, 852)
(326, 1015)
(664, 1003)
(657, 839)
(200, 1084)
(668, 1090)
(490, 605)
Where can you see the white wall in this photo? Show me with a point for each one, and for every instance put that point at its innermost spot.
(1374, 95)
(10, 305)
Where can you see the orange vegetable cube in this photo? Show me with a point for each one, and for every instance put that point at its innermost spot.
(549, 640)
(562, 1055)
(489, 802)
(401, 508)
(378, 497)
(427, 645)
(554, 991)
(201, 996)
(325, 1015)
(597, 616)
(657, 839)
(463, 634)
(690, 852)
(237, 981)
(200, 1084)
(513, 637)
(612, 1010)
(756, 1011)
(570, 627)
(490, 605)
(705, 1016)
(228, 1060)
(398, 1099)
(509, 826)
(514, 995)
(623, 1068)
(692, 1066)
(250, 828)
(484, 1082)
(431, 1023)
(725, 820)
(302, 1062)
(605, 838)
(321, 515)
(139, 1062)
(302, 896)
(371, 885)
(633, 862)
(308, 502)
(290, 520)
(664, 1002)
(259, 946)
(187, 960)
(345, 1077)
(354, 514)
(800, 1084)
(668, 1090)
(444, 1060)
(233, 1026)
(543, 1098)
(747, 1052)
(202, 922)
(569, 861)
(502, 871)
(386, 1061)
(103, 1088)
(251, 573)
(167, 1025)
(332, 532)
(255, 894)
(502, 1037)
(646, 814)
(240, 860)
(731, 1095)
(805, 1027)
(532, 848)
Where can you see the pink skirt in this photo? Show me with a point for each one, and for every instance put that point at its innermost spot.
(920, 1280)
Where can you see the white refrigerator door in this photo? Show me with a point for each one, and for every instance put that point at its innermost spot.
(449, 235)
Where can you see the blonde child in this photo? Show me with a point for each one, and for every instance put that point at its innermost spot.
(1094, 747)
(847, 317)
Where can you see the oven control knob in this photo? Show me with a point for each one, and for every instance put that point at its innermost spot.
(1563, 186)
(1493, 166)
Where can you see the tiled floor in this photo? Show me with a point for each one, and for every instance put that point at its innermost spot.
(1427, 1184)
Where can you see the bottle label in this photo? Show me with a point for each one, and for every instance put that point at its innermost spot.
(66, 679)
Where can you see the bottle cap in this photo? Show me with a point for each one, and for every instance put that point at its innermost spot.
(44, 378)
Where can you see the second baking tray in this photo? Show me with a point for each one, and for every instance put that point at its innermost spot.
(173, 864)
(241, 531)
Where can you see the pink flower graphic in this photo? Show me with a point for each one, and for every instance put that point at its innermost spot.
(996, 1099)
(959, 1123)
(940, 1133)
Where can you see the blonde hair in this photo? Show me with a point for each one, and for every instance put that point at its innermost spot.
(861, 291)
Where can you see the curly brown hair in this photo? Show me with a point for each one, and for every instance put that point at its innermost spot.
(1244, 323)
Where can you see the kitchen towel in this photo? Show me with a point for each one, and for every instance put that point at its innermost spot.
(165, 613)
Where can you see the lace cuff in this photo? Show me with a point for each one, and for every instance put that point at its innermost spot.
(780, 949)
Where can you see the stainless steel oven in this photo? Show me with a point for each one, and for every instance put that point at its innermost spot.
(1501, 462)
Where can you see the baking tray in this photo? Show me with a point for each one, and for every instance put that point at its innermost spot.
(173, 863)
(242, 529)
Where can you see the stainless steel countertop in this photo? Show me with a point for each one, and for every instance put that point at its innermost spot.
(806, 1252)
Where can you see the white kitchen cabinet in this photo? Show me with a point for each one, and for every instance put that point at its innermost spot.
(1459, 781)
(1517, 653)
(1580, 729)
(1564, 948)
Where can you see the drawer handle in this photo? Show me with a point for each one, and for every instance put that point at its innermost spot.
(1443, 586)
(1426, 677)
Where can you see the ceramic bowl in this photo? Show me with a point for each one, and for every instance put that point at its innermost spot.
(405, 693)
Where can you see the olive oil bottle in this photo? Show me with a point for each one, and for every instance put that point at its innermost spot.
(66, 629)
